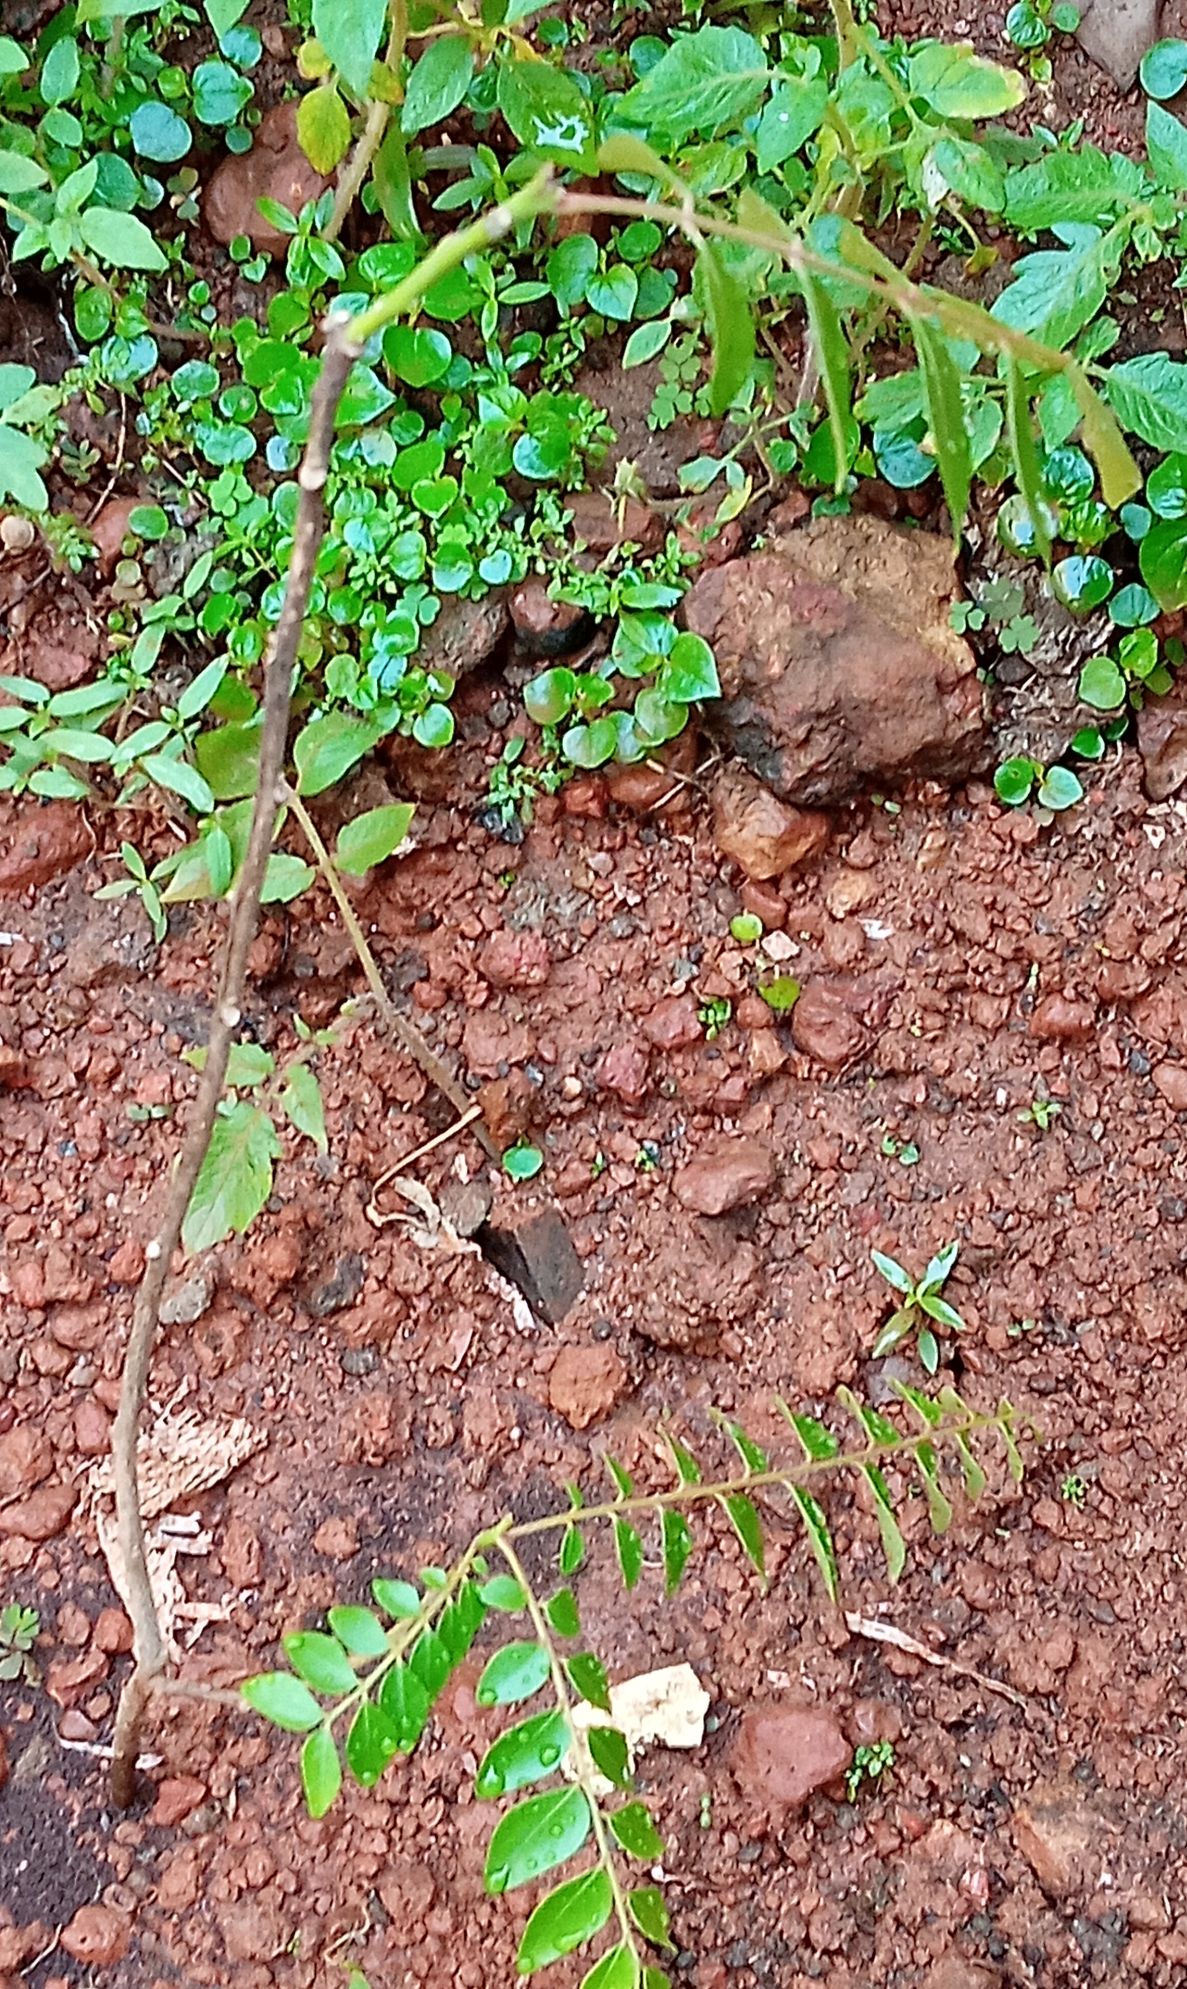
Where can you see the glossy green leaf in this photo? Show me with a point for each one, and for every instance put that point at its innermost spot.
(121, 239)
(1166, 147)
(1059, 789)
(1163, 69)
(405, 1704)
(281, 1698)
(677, 1546)
(817, 1443)
(650, 1915)
(587, 1674)
(703, 83)
(359, 1629)
(893, 1545)
(688, 1471)
(636, 1832)
(371, 1743)
(526, 1753)
(229, 758)
(329, 747)
(430, 1662)
(629, 1548)
(536, 1836)
(503, 1592)
(235, 1178)
(512, 1674)
(570, 1915)
(1149, 397)
(939, 1506)
(439, 80)
(819, 1539)
(793, 113)
(321, 1771)
(610, 1754)
(285, 878)
(572, 1550)
(320, 1661)
(302, 1100)
(397, 1599)
(1078, 185)
(618, 1968)
(159, 134)
(743, 1517)
(561, 1611)
(1162, 557)
(731, 327)
(350, 31)
(752, 1454)
(372, 837)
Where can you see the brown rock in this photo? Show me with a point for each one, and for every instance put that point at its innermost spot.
(177, 1796)
(586, 799)
(510, 959)
(1064, 1841)
(41, 1516)
(782, 1754)
(673, 1024)
(98, 1936)
(623, 1071)
(47, 839)
(1171, 1081)
(110, 529)
(766, 904)
(464, 634)
(826, 1025)
(644, 788)
(180, 1881)
(337, 1538)
(25, 1459)
(1060, 1018)
(125, 1266)
(544, 627)
(92, 1427)
(15, 1074)
(535, 1253)
(113, 1632)
(730, 1171)
(508, 1106)
(837, 661)
(700, 1280)
(1162, 742)
(19, 1944)
(586, 1383)
(490, 1040)
(763, 835)
(602, 525)
(275, 169)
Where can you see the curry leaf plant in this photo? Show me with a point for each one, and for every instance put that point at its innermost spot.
(360, 1692)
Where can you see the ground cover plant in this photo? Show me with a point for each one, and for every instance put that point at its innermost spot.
(394, 427)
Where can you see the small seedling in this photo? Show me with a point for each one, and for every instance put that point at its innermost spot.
(904, 1151)
(746, 928)
(921, 1297)
(522, 1163)
(1041, 1112)
(713, 1014)
(647, 1158)
(1053, 788)
(870, 1762)
(1019, 1328)
(18, 1632)
(781, 993)
(1074, 1490)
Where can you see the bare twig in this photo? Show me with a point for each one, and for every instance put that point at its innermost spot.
(406, 1033)
(338, 356)
(880, 1632)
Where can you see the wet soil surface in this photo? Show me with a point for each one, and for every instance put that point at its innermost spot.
(958, 961)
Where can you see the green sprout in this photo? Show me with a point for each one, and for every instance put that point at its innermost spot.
(921, 1302)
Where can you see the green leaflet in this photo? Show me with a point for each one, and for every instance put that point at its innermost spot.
(321, 1662)
(571, 1915)
(1026, 461)
(629, 1548)
(832, 357)
(893, 1545)
(536, 1836)
(350, 32)
(1084, 185)
(819, 1539)
(730, 318)
(633, 1827)
(616, 1969)
(321, 1771)
(1149, 396)
(1056, 292)
(526, 1753)
(235, 1179)
(677, 1546)
(704, 83)
(1166, 147)
(743, 1517)
(371, 1743)
(939, 1506)
(516, 1672)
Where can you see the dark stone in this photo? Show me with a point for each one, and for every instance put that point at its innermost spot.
(342, 1289)
(536, 1255)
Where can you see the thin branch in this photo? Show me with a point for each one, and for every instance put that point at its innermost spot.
(373, 133)
(338, 356)
(406, 1033)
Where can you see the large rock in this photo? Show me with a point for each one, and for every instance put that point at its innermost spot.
(44, 840)
(1117, 33)
(1162, 743)
(730, 1171)
(782, 1754)
(838, 664)
(274, 169)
